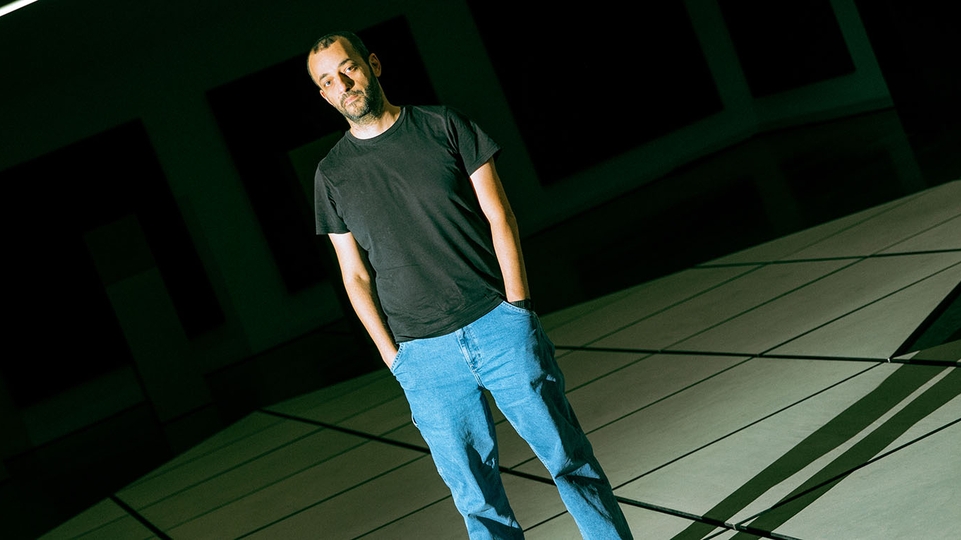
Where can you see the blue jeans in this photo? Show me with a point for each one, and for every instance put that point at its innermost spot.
(506, 352)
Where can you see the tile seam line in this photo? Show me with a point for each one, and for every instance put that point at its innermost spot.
(747, 425)
(348, 431)
(681, 352)
(826, 259)
(919, 233)
(401, 444)
(262, 487)
(652, 403)
(140, 518)
(895, 204)
(170, 466)
(872, 302)
(325, 499)
(227, 470)
(757, 266)
(771, 300)
(673, 304)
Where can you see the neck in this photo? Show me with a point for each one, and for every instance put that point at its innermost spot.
(373, 126)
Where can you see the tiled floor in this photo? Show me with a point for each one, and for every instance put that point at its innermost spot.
(768, 393)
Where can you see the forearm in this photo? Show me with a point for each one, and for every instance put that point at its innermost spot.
(510, 258)
(363, 298)
(504, 230)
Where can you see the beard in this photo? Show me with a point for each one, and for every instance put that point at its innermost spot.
(368, 106)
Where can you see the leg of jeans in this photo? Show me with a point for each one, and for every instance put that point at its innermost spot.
(519, 369)
(453, 416)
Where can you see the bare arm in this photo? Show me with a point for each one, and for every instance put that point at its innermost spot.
(507, 241)
(359, 282)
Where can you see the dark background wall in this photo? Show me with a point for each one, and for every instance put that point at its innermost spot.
(157, 158)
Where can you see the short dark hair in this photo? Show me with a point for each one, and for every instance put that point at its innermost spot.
(329, 38)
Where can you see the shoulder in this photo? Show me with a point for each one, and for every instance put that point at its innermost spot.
(338, 156)
(444, 114)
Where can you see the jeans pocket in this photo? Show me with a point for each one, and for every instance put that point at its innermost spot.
(397, 357)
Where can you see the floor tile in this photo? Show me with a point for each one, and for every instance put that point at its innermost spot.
(210, 465)
(888, 228)
(795, 242)
(684, 422)
(618, 395)
(878, 329)
(381, 388)
(245, 427)
(903, 403)
(642, 302)
(235, 484)
(439, 520)
(790, 316)
(367, 506)
(908, 494)
(730, 469)
(368, 467)
(582, 367)
(719, 304)
(942, 236)
(381, 418)
(561, 317)
(95, 518)
(645, 524)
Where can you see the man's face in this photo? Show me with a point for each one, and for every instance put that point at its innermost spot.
(346, 81)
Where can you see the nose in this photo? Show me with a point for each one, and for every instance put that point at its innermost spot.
(344, 82)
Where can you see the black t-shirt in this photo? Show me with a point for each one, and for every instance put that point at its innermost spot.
(407, 198)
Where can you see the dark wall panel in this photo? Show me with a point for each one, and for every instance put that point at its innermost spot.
(63, 322)
(586, 84)
(786, 44)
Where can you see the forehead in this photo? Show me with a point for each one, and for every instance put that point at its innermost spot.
(326, 61)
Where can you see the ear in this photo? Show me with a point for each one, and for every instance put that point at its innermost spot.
(323, 95)
(374, 64)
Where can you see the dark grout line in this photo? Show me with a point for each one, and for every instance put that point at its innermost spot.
(732, 317)
(136, 515)
(751, 424)
(392, 442)
(230, 469)
(169, 466)
(679, 352)
(928, 321)
(828, 259)
(348, 431)
(327, 498)
(672, 305)
(702, 519)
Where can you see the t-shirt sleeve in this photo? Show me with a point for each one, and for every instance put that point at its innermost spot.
(326, 218)
(473, 143)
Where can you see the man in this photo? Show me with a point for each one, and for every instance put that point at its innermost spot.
(431, 260)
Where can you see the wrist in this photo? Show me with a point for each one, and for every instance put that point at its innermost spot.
(525, 303)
